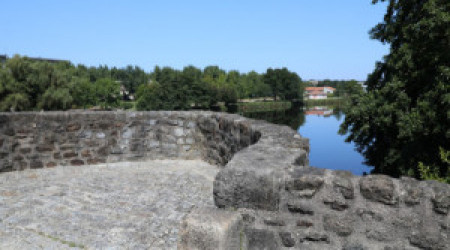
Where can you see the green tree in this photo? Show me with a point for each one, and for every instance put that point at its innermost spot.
(56, 99)
(285, 85)
(83, 92)
(165, 92)
(107, 93)
(15, 102)
(404, 117)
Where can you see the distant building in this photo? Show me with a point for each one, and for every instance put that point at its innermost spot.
(49, 60)
(3, 58)
(313, 82)
(319, 111)
(318, 92)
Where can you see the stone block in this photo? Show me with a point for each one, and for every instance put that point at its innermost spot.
(342, 226)
(336, 202)
(429, 238)
(259, 239)
(85, 153)
(178, 132)
(25, 150)
(314, 236)
(275, 222)
(100, 135)
(244, 188)
(45, 148)
(210, 228)
(73, 127)
(342, 184)
(286, 239)
(304, 223)
(50, 164)
(76, 162)
(441, 198)
(70, 154)
(413, 193)
(36, 164)
(300, 207)
(379, 188)
(305, 182)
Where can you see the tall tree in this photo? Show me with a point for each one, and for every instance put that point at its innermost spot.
(107, 92)
(285, 85)
(404, 118)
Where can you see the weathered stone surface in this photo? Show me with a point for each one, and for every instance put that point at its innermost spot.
(45, 148)
(354, 246)
(9, 131)
(441, 198)
(369, 215)
(429, 239)
(73, 127)
(275, 222)
(70, 154)
(36, 164)
(304, 223)
(116, 206)
(85, 153)
(51, 164)
(300, 207)
(264, 170)
(92, 161)
(413, 193)
(336, 202)
(382, 234)
(305, 179)
(246, 189)
(260, 239)
(76, 162)
(286, 239)
(379, 188)
(342, 226)
(211, 228)
(25, 150)
(315, 237)
(342, 183)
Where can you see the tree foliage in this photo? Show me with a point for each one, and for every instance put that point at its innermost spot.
(285, 85)
(30, 84)
(404, 117)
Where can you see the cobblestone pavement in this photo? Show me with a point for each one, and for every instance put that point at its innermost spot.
(127, 205)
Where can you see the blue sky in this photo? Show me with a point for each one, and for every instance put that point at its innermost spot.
(317, 39)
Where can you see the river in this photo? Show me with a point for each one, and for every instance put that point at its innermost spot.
(320, 124)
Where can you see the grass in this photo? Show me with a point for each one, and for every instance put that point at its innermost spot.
(263, 106)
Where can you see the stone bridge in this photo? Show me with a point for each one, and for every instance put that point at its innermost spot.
(265, 193)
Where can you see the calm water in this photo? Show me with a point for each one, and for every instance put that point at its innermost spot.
(320, 125)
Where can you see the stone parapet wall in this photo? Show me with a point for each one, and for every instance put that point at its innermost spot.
(267, 195)
(48, 139)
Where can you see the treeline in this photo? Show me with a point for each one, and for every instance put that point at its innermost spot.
(171, 89)
(30, 84)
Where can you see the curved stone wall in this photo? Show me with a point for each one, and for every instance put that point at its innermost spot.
(37, 140)
(267, 196)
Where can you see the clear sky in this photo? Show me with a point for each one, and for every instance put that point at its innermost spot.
(318, 39)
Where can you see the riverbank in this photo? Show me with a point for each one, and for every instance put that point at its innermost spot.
(263, 106)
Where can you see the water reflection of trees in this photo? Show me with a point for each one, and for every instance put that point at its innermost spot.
(294, 117)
